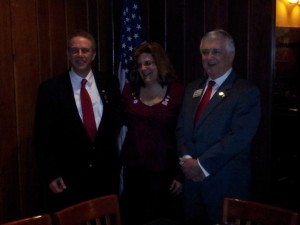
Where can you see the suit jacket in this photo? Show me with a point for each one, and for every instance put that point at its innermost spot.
(62, 145)
(221, 139)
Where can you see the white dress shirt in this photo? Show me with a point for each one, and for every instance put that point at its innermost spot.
(91, 88)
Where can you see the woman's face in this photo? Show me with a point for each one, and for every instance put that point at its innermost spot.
(147, 68)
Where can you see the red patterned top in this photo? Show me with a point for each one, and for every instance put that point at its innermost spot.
(150, 140)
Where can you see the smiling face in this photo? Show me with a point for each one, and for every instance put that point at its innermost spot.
(147, 68)
(217, 57)
(81, 55)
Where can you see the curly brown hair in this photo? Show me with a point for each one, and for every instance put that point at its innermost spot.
(166, 72)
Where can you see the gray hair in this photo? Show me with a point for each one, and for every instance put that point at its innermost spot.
(220, 34)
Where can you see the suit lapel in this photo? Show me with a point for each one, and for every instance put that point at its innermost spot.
(103, 92)
(218, 97)
(100, 82)
(197, 94)
(70, 100)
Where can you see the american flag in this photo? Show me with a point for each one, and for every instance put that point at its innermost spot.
(131, 36)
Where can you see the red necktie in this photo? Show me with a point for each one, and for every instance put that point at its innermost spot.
(205, 99)
(87, 111)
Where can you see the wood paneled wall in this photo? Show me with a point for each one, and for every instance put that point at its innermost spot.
(33, 48)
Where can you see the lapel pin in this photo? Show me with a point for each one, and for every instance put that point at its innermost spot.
(222, 94)
(197, 93)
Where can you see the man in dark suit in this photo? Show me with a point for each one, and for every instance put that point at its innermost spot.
(77, 167)
(215, 147)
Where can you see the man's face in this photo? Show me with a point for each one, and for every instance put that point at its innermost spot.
(216, 59)
(81, 55)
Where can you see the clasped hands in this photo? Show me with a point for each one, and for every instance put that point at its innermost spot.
(191, 169)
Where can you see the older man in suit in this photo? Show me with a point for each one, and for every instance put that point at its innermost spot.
(77, 164)
(215, 146)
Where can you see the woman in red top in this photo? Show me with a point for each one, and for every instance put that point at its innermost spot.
(151, 103)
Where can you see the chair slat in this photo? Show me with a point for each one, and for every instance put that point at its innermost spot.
(44, 219)
(102, 211)
(255, 213)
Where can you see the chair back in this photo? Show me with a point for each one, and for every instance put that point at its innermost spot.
(242, 212)
(44, 219)
(98, 211)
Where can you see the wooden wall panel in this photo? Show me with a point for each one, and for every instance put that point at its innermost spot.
(239, 31)
(93, 27)
(116, 20)
(58, 32)
(156, 20)
(215, 14)
(9, 177)
(33, 48)
(193, 29)
(104, 35)
(261, 70)
(26, 68)
(43, 35)
(76, 15)
(175, 34)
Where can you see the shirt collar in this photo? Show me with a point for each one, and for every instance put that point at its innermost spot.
(76, 79)
(219, 81)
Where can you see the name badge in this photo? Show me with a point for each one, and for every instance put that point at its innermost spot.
(197, 93)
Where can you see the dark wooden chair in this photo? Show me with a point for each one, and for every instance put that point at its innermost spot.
(44, 219)
(99, 211)
(242, 212)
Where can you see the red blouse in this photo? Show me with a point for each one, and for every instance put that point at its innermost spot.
(150, 141)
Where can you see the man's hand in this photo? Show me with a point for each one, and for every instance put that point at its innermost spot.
(57, 185)
(175, 188)
(191, 169)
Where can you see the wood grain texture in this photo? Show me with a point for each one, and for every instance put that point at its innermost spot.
(33, 49)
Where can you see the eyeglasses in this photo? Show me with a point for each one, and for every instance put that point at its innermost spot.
(77, 50)
(146, 63)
